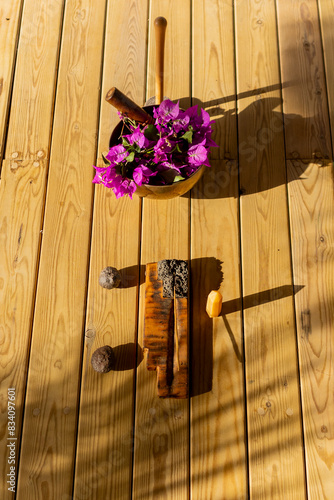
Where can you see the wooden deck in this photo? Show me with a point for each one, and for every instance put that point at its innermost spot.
(260, 225)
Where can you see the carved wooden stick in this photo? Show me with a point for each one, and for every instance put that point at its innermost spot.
(127, 107)
(160, 24)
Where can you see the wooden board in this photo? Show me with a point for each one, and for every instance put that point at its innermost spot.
(35, 78)
(22, 194)
(307, 132)
(104, 457)
(50, 423)
(272, 382)
(326, 11)
(161, 452)
(311, 190)
(218, 454)
(10, 17)
(214, 88)
(166, 337)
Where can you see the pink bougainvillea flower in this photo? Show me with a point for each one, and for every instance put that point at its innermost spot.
(137, 137)
(117, 154)
(142, 174)
(181, 124)
(194, 119)
(165, 165)
(188, 170)
(205, 118)
(110, 178)
(167, 110)
(122, 185)
(198, 155)
(171, 149)
(162, 148)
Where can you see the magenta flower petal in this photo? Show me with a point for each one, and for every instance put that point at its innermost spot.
(210, 143)
(168, 166)
(181, 124)
(159, 157)
(122, 186)
(117, 154)
(197, 155)
(167, 110)
(137, 137)
(194, 120)
(205, 117)
(97, 179)
(138, 176)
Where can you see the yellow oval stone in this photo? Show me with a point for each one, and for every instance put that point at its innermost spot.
(214, 303)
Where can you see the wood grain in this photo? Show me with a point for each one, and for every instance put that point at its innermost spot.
(213, 42)
(161, 452)
(307, 131)
(326, 12)
(161, 426)
(104, 457)
(35, 77)
(218, 459)
(10, 16)
(22, 195)
(273, 407)
(312, 227)
(19, 246)
(139, 446)
(50, 424)
(218, 455)
(176, 65)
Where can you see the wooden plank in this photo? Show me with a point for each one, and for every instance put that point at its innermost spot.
(22, 194)
(272, 382)
(104, 457)
(161, 452)
(312, 227)
(326, 12)
(176, 53)
(307, 132)
(50, 422)
(218, 459)
(35, 76)
(213, 43)
(10, 16)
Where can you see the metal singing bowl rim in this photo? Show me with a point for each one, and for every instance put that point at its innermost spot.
(164, 191)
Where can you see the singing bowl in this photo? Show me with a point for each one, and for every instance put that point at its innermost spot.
(163, 191)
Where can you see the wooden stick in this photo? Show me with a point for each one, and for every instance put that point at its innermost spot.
(160, 24)
(127, 107)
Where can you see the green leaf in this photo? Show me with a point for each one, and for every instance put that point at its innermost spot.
(188, 136)
(131, 157)
(178, 178)
(125, 142)
(151, 133)
(105, 161)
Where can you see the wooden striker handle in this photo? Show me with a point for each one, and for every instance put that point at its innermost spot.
(160, 24)
(127, 107)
